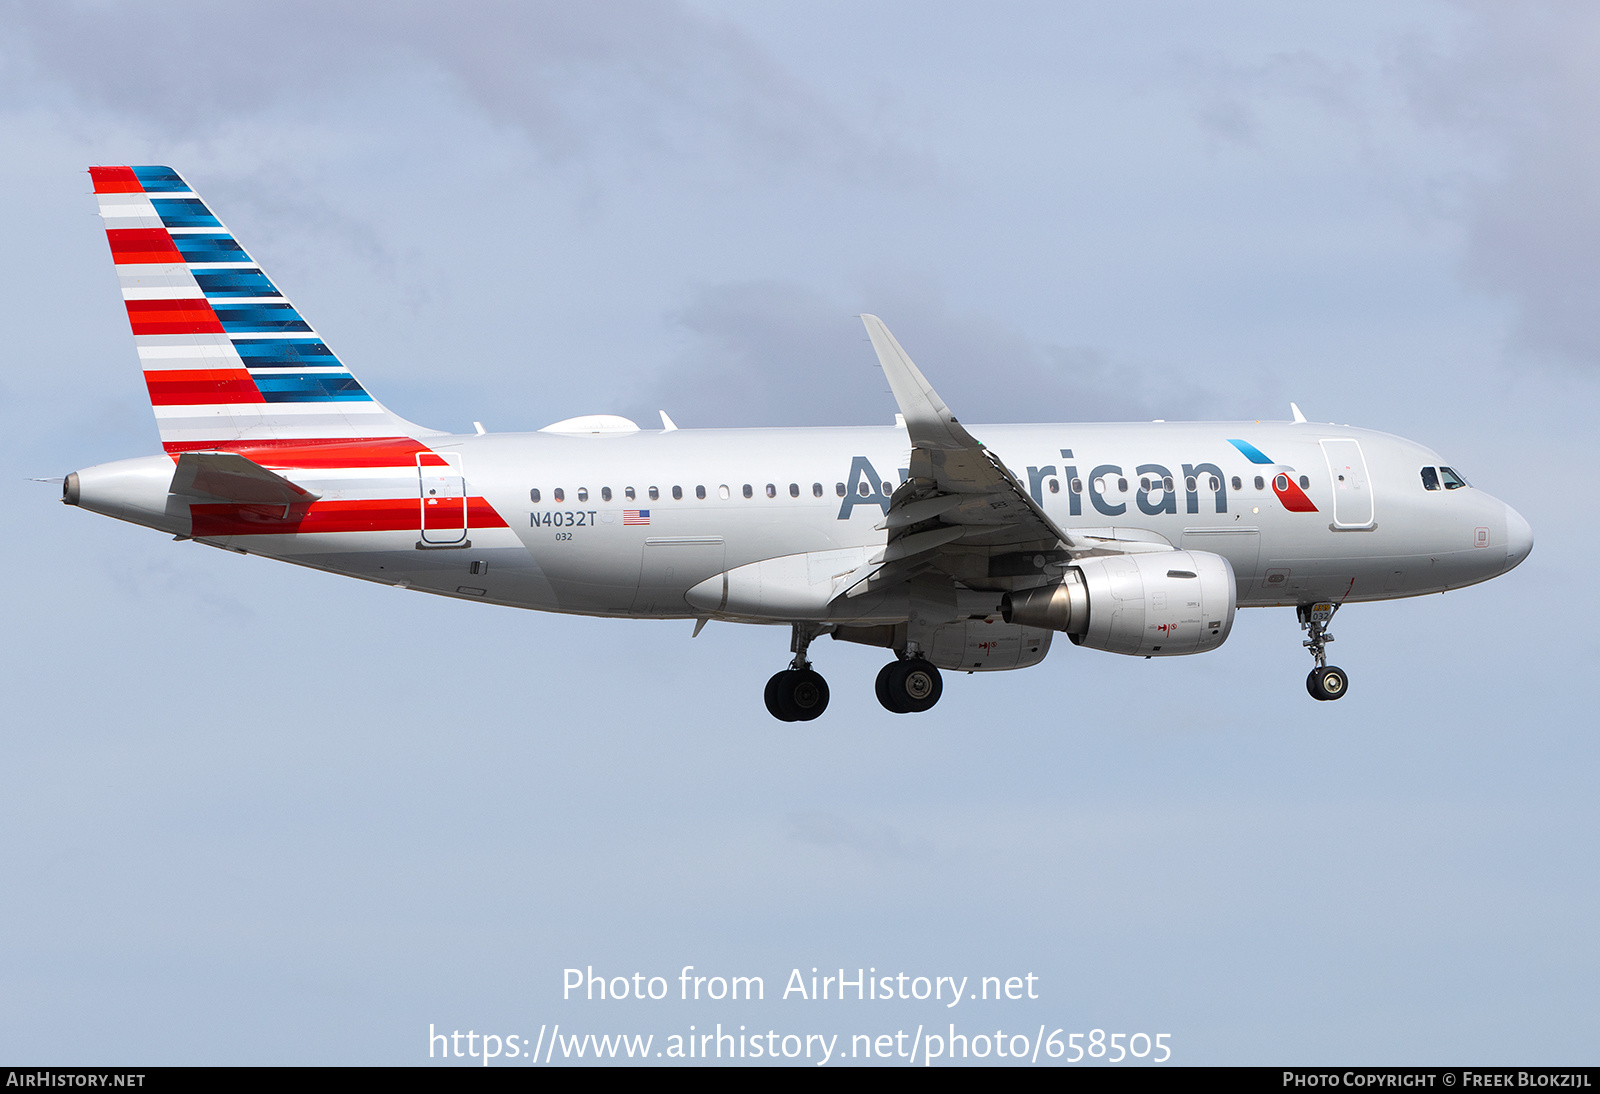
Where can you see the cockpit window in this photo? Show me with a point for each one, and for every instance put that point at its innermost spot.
(1430, 479)
(1452, 481)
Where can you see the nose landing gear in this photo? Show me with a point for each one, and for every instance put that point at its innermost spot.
(1326, 682)
(798, 693)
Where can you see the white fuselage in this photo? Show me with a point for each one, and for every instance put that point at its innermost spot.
(584, 547)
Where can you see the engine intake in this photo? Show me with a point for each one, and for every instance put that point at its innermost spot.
(1160, 604)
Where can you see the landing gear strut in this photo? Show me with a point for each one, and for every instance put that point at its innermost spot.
(1325, 682)
(909, 686)
(798, 694)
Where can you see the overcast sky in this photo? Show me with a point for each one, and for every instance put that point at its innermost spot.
(253, 814)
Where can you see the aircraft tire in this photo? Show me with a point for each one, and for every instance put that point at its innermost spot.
(881, 686)
(806, 695)
(777, 694)
(914, 685)
(1327, 684)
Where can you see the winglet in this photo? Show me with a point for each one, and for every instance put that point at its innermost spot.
(667, 424)
(928, 420)
(1295, 410)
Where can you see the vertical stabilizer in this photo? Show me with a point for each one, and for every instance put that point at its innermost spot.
(227, 359)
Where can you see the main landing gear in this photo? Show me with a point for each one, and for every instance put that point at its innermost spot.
(1325, 682)
(909, 686)
(798, 693)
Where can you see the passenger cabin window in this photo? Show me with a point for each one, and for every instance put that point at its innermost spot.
(628, 493)
(533, 495)
(1190, 485)
(1122, 485)
(749, 493)
(838, 488)
(654, 494)
(772, 491)
(700, 493)
(1452, 481)
(1237, 485)
(864, 489)
(583, 493)
(1281, 482)
(816, 490)
(1055, 486)
(1216, 483)
(677, 493)
(1305, 482)
(1261, 483)
(1077, 486)
(794, 490)
(1166, 484)
(723, 492)
(559, 494)
(1430, 479)
(605, 493)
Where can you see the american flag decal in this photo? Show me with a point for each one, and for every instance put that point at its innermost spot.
(635, 516)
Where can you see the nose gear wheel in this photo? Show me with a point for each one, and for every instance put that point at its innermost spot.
(1326, 682)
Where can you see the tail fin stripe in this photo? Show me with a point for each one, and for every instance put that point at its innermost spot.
(208, 248)
(234, 361)
(142, 246)
(302, 387)
(156, 179)
(172, 317)
(184, 213)
(195, 386)
(222, 284)
(115, 180)
(192, 418)
(259, 318)
(285, 353)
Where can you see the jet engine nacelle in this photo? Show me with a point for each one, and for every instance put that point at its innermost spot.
(1148, 605)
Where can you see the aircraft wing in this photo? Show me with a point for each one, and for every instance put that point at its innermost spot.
(961, 503)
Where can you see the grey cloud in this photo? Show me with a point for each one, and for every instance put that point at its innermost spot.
(566, 76)
(878, 843)
(773, 353)
(1231, 96)
(1522, 89)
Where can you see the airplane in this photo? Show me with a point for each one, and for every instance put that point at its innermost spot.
(955, 553)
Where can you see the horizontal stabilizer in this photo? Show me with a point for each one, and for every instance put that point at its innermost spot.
(231, 477)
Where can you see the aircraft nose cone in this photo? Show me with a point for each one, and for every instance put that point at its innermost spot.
(1519, 538)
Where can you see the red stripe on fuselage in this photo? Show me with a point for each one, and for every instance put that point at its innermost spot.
(115, 180)
(142, 246)
(187, 316)
(201, 386)
(369, 515)
(313, 453)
